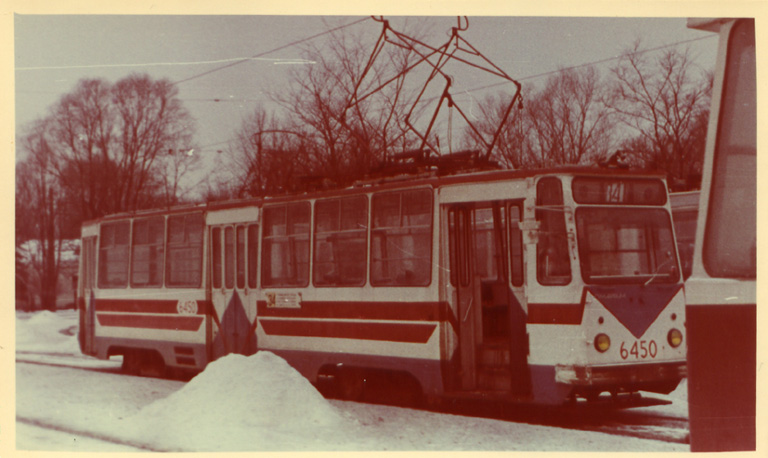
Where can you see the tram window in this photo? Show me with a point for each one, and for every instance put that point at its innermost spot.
(488, 255)
(341, 229)
(516, 245)
(229, 257)
(730, 235)
(184, 262)
(147, 252)
(401, 238)
(458, 235)
(685, 232)
(623, 245)
(285, 242)
(216, 257)
(114, 245)
(552, 261)
(253, 253)
(240, 255)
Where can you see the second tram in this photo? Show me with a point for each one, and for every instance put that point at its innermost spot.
(721, 293)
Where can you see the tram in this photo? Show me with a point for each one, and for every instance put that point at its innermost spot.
(548, 286)
(721, 309)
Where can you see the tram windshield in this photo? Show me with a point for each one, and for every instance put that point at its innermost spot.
(621, 245)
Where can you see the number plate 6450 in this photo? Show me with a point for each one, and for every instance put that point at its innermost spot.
(639, 349)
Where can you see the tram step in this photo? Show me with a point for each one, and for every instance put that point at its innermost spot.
(494, 379)
(494, 355)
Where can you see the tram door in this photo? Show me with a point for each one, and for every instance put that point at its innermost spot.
(87, 283)
(486, 274)
(233, 253)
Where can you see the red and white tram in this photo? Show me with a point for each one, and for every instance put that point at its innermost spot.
(542, 286)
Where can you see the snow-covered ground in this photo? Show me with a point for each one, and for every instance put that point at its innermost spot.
(256, 403)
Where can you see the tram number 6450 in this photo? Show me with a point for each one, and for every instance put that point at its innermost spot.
(639, 350)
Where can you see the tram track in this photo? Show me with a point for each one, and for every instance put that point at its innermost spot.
(647, 426)
(619, 422)
(66, 360)
(43, 424)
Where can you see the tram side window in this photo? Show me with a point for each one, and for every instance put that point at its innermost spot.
(184, 265)
(229, 257)
(253, 253)
(553, 264)
(216, 257)
(730, 235)
(114, 246)
(516, 245)
(285, 245)
(401, 238)
(147, 252)
(341, 229)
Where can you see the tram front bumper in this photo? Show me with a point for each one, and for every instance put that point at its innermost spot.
(655, 377)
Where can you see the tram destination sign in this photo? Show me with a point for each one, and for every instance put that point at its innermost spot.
(623, 191)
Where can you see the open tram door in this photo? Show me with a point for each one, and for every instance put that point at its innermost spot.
(486, 285)
(233, 239)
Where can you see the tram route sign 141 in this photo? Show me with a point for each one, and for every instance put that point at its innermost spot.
(283, 300)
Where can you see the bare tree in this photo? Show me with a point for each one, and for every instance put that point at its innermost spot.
(266, 157)
(665, 101)
(103, 149)
(510, 149)
(39, 212)
(113, 143)
(567, 121)
(345, 135)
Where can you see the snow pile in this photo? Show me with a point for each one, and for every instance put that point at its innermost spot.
(258, 400)
(47, 331)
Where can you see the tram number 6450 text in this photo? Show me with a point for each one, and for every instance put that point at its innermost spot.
(639, 350)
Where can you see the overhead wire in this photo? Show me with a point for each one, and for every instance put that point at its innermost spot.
(262, 54)
(551, 72)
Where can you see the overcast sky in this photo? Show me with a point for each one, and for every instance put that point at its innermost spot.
(53, 52)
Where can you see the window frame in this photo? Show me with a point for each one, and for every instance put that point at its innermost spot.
(375, 230)
(133, 263)
(252, 254)
(544, 240)
(719, 243)
(186, 244)
(363, 264)
(516, 269)
(102, 269)
(292, 239)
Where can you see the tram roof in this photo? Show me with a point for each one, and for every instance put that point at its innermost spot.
(426, 179)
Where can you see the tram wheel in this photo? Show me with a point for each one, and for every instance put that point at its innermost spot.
(145, 363)
(350, 385)
(131, 362)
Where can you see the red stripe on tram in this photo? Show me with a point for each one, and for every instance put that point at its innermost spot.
(390, 332)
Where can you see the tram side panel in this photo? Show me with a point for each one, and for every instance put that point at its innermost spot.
(388, 320)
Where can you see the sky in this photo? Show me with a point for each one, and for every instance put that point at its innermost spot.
(267, 405)
(54, 51)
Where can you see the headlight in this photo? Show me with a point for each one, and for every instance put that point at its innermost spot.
(675, 338)
(602, 343)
